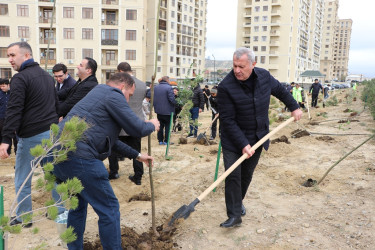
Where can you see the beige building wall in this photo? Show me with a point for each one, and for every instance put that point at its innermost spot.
(329, 37)
(285, 35)
(181, 38)
(342, 46)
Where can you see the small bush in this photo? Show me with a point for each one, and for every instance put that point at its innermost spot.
(368, 96)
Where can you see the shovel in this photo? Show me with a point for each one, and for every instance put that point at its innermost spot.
(203, 135)
(185, 210)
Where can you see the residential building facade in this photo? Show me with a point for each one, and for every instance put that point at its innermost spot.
(342, 46)
(110, 31)
(285, 35)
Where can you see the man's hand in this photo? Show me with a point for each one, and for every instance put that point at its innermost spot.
(200, 110)
(247, 149)
(61, 118)
(3, 150)
(145, 159)
(156, 123)
(297, 114)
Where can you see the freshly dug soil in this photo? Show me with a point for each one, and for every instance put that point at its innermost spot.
(298, 133)
(353, 114)
(140, 197)
(283, 138)
(313, 123)
(325, 138)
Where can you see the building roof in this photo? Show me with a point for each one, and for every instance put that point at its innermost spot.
(312, 73)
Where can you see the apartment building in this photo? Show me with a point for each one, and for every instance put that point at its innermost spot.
(110, 31)
(341, 49)
(285, 35)
(181, 38)
(327, 60)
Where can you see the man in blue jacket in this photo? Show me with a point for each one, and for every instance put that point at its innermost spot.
(243, 102)
(164, 103)
(63, 79)
(107, 111)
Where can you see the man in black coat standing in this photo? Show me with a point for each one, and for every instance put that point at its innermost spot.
(86, 82)
(63, 79)
(314, 90)
(243, 103)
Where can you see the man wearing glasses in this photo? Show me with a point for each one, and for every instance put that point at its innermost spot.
(63, 79)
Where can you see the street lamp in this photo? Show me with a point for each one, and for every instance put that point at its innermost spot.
(214, 68)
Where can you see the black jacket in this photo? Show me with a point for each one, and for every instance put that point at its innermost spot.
(69, 97)
(244, 112)
(32, 103)
(67, 84)
(315, 87)
(213, 102)
(198, 99)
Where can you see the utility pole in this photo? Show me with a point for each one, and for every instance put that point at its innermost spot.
(214, 68)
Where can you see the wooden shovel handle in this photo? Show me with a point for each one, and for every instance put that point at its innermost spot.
(243, 157)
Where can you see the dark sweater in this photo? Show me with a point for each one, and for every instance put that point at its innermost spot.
(243, 108)
(32, 103)
(198, 99)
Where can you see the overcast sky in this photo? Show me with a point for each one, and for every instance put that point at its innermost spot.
(222, 22)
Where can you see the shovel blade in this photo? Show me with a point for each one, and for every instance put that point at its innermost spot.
(183, 212)
(201, 135)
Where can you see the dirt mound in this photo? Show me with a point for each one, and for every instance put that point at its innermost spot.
(213, 151)
(347, 120)
(131, 240)
(325, 138)
(140, 197)
(283, 138)
(353, 114)
(298, 133)
(347, 110)
(313, 123)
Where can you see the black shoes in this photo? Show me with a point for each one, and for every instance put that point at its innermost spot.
(243, 210)
(232, 222)
(14, 222)
(135, 180)
(113, 176)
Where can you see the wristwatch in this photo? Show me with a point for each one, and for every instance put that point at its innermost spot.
(139, 156)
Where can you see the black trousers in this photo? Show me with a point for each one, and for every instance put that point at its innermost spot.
(237, 183)
(206, 102)
(14, 139)
(134, 142)
(165, 121)
(314, 100)
(214, 126)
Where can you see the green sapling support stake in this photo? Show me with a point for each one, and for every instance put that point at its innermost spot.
(169, 137)
(217, 163)
(1, 215)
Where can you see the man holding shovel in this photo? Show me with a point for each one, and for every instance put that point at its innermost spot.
(243, 102)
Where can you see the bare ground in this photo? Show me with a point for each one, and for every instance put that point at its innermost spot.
(281, 213)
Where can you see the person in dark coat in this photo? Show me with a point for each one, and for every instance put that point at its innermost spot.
(206, 95)
(63, 79)
(198, 106)
(243, 102)
(215, 112)
(164, 103)
(106, 109)
(86, 82)
(314, 90)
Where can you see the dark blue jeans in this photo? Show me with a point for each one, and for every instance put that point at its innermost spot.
(163, 132)
(99, 194)
(237, 183)
(194, 116)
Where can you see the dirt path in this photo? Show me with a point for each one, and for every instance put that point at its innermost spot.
(281, 213)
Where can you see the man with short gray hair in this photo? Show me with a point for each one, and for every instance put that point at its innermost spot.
(243, 103)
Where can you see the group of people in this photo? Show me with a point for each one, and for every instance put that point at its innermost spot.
(116, 114)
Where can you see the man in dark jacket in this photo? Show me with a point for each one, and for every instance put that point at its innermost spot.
(106, 109)
(63, 79)
(198, 106)
(164, 103)
(214, 110)
(243, 101)
(314, 90)
(86, 82)
(31, 111)
(206, 92)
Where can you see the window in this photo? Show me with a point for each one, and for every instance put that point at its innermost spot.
(263, 48)
(171, 58)
(172, 47)
(255, 48)
(172, 25)
(172, 13)
(130, 54)
(131, 14)
(255, 38)
(262, 59)
(171, 70)
(87, 13)
(265, 18)
(3, 52)
(68, 12)
(159, 58)
(23, 32)
(131, 35)
(159, 69)
(110, 35)
(173, 3)
(68, 33)
(22, 10)
(264, 38)
(87, 53)
(3, 9)
(190, 19)
(256, 28)
(172, 36)
(264, 28)
(265, 8)
(257, 8)
(256, 19)
(185, 18)
(5, 73)
(87, 33)
(4, 31)
(68, 53)
(185, 7)
(191, 9)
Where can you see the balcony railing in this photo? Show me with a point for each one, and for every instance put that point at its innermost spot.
(50, 61)
(110, 2)
(47, 1)
(109, 22)
(109, 42)
(45, 40)
(46, 20)
(109, 62)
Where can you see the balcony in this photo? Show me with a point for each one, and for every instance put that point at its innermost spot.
(247, 24)
(273, 66)
(276, 2)
(50, 61)
(45, 40)
(163, 4)
(274, 53)
(275, 33)
(46, 20)
(274, 43)
(247, 14)
(110, 2)
(275, 13)
(245, 34)
(109, 22)
(109, 42)
(248, 4)
(110, 62)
